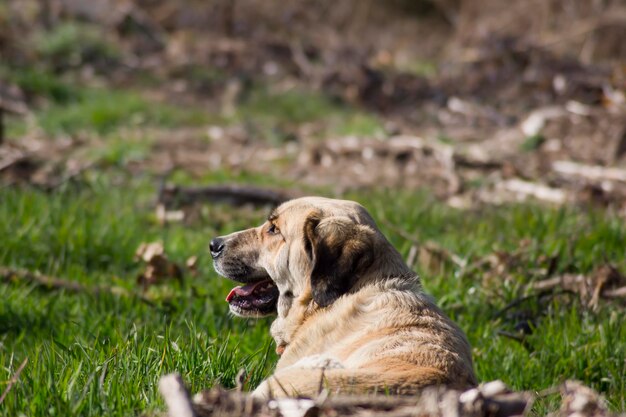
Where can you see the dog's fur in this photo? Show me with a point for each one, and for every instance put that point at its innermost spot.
(352, 315)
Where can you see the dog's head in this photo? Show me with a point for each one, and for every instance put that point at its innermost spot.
(310, 250)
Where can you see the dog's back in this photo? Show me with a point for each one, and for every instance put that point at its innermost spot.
(375, 340)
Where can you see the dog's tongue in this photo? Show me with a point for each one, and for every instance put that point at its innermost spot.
(245, 290)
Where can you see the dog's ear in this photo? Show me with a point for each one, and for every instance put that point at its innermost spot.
(339, 250)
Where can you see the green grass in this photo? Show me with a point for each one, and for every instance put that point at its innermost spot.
(532, 143)
(272, 116)
(423, 68)
(292, 105)
(71, 44)
(41, 83)
(103, 111)
(94, 355)
(69, 107)
(119, 149)
(90, 355)
(276, 114)
(103, 355)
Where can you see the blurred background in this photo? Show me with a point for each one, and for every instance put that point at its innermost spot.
(488, 140)
(481, 103)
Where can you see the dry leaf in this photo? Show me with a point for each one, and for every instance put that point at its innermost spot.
(192, 265)
(158, 267)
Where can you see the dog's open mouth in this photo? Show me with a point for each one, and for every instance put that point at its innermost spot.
(256, 299)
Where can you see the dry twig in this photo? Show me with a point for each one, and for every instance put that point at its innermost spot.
(604, 282)
(589, 172)
(54, 283)
(13, 379)
(525, 189)
(491, 399)
(232, 194)
(427, 249)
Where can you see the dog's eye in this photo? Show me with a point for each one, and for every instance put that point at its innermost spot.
(272, 230)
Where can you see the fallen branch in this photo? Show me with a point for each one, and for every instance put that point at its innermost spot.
(45, 281)
(303, 63)
(497, 261)
(67, 177)
(580, 401)
(492, 399)
(615, 293)
(475, 111)
(589, 172)
(231, 194)
(525, 189)
(402, 151)
(426, 248)
(395, 145)
(11, 160)
(604, 282)
(14, 274)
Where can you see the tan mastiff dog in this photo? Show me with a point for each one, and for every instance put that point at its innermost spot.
(352, 316)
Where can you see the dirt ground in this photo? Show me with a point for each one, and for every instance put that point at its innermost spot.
(482, 104)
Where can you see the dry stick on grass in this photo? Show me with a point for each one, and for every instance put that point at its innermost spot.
(532, 189)
(589, 288)
(45, 281)
(491, 399)
(67, 177)
(13, 380)
(428, 245)
(302, 62)
(232, 194)
(12, 160)
(593, 173)
(616, 293)
(570, 280)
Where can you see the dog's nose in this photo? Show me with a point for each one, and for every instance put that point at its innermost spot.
(216, 246)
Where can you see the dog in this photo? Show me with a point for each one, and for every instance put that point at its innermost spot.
(352, 316)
